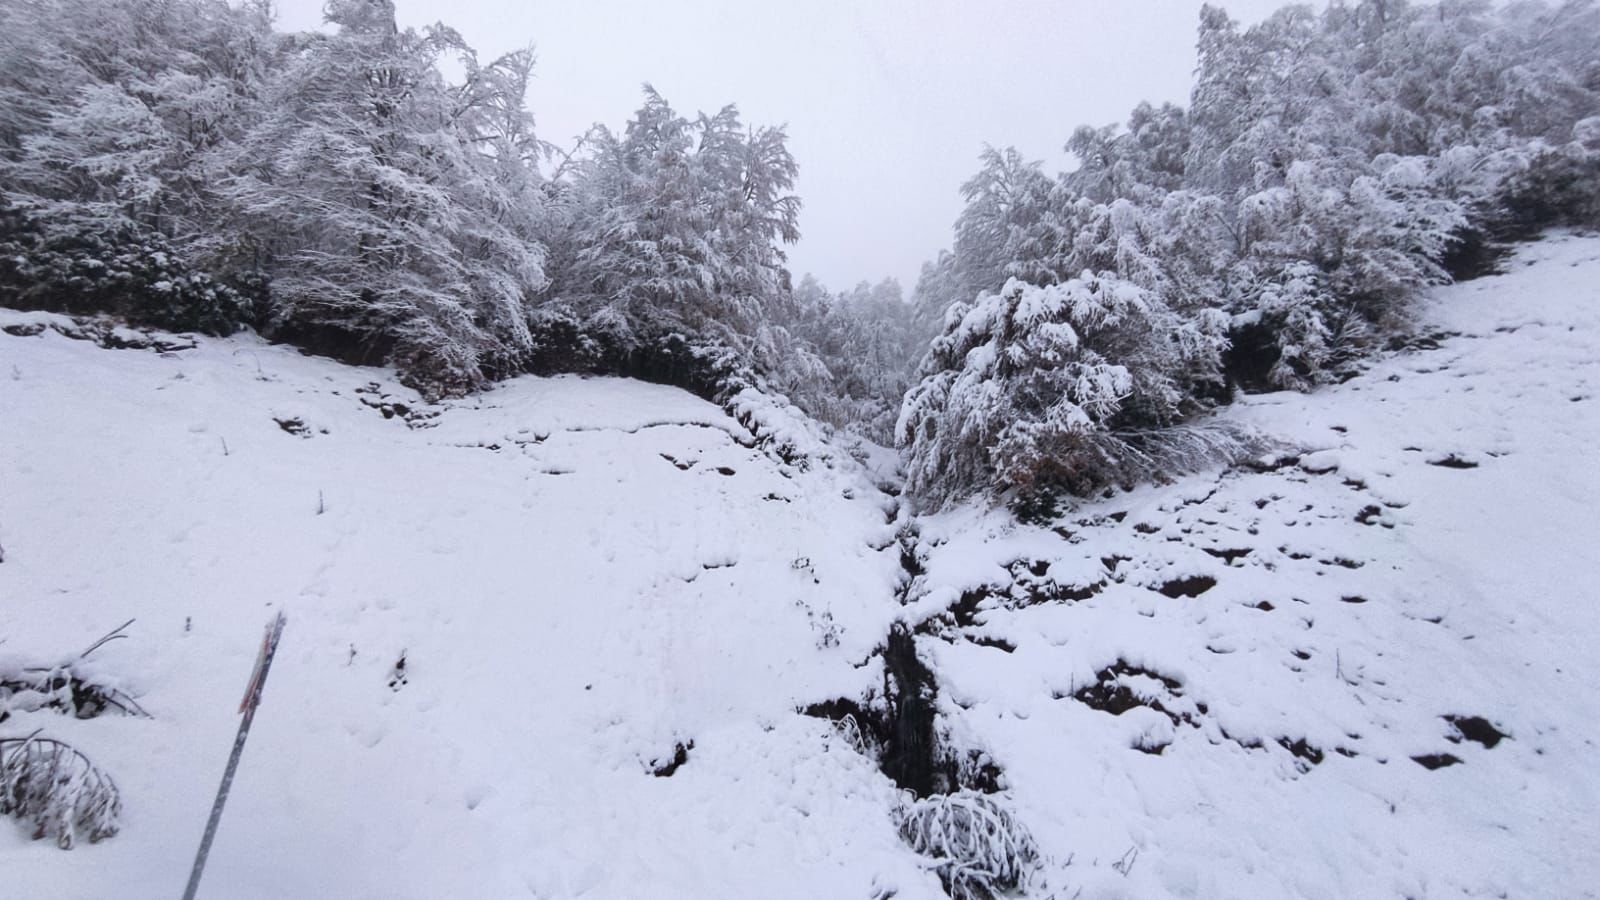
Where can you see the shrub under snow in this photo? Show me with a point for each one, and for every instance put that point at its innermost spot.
(1039, 388)
(57, 790)
(982, 849)
(59, 260)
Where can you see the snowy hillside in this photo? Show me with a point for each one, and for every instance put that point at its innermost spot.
(1363, 667)
(1367, 670)
(581, 575)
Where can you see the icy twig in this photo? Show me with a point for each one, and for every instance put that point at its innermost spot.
(115, 634)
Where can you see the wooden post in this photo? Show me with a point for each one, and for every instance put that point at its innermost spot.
(247, 706)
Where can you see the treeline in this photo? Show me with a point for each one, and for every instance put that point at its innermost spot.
(1329, 166)
(182, 164)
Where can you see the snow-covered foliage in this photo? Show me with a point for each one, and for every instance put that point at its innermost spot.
(1330, 166)
(399, 212)
(63, 688)
(336, 190)
(182, 164)
(57, 791)
(110, 114)
(1034, 387)
(681, 219)
(851, 354)
(52, 257)
(669, 235)
(780, 428)
(981, 850)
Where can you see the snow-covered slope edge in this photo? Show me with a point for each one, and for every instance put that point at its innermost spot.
(1364, 670)
(589, 580)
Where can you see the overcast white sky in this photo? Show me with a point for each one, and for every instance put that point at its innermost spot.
(887, 102)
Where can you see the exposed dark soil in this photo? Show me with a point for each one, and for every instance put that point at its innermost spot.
(1432, 761)
(1476, 729)
(899, 726)
(1302, 750)
(1193, 586)
(1109, 695)
(909, 752)
(680, 755)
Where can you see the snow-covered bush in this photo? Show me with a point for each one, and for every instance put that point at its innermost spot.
(564, 341)
(1293, 332)
(55, 258)
(1331, 257)
(64, 688)
(1374, 232)
(981, 850)
(1558, 187)
(1030, 387)
(70, 686)
(702, 366)
(780, 428)
(56, 789)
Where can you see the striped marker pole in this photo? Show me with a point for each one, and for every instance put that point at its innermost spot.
(247, 706)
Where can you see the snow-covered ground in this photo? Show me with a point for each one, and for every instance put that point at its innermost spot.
(1432, 553)
(584, 575)
(581, 574)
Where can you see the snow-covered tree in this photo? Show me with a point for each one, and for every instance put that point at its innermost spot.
(682, 221)
(396, 212)
(669, 248)
(1038, 388)
(1331, 165)
(180, 163)
(863, 347)
(109, 122)
(998, 229)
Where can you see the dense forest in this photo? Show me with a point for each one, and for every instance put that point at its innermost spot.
(181, 164)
